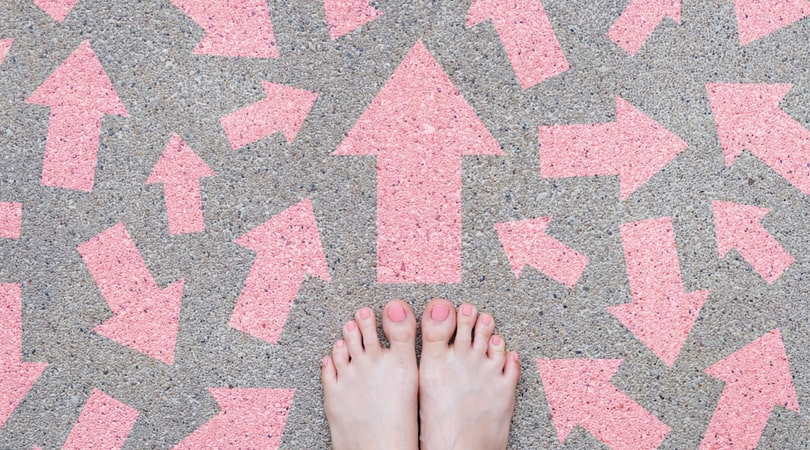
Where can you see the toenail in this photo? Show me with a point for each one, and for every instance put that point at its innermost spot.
(365, 313)
(466, 310)
(487, 320)
(350, 326)
(517, 357)
(440, 312)
(340, 343)
(396, 313)
(496, 340)
(325, 362)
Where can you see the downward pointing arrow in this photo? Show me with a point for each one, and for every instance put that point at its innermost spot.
(738, 227)
(661, 314)
(179, 169)
(57, 9)
(639, 19)
(345, 16)
(146, 318)
(757, 378)
(16, 377)
(526, 243)
(634, 147)
(79, 94)
(5, 45)
(527, 37)
(759, 18)
(288, 247)
(579, 392)
(103, 423)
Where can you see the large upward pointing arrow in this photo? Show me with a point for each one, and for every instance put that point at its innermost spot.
(79, 94)
(419, 127)
(638, 21)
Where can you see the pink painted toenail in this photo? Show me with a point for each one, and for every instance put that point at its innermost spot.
(396, 313)
(325, 362)
(517, 357)
(340, 343)
(496, 340)
(487, 320)
(466, 310)
(365, 313)
(350, 326)
(440, 312)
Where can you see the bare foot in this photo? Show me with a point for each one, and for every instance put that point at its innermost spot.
(370, 392)
(467, 388)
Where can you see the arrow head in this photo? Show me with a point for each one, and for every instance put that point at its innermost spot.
(480, 11)
(15, 382)
(57, 9)
(345, 16)
(730, 222)
(517, 237)
(759, 18)
(5, 45)
(178, 164)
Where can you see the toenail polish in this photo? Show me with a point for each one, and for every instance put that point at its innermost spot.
(487, 320)
(517, 357)
(325, 362)
(365, 313)
(440, 312)
(396, 313)
(496, 340)
(350, 326)
(466, 310)
(340, 343)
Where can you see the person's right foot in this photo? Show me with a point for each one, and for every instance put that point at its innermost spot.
(467, 388)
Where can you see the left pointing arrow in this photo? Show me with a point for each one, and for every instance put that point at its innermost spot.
(79, 94)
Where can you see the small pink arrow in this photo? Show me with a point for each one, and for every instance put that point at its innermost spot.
(103, 423)
(345, 16)
(757, 378)
(759, 18)
(284, 110)
(5, 45)
(419, 126)
(527, 37)
(179, 169)
(250, 418)
(639, 20)
(146, 318)
(661, 313)
(634, 147)
(738, 227)
(748, 117)
(526, 243)
(579, 392)
(16, 377)
(232, 28)
(57, 9)
(10, 220)
(288, 247)
(79, 94)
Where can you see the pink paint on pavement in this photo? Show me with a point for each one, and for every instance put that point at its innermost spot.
(146, 318)
(661, 313)
(288, 247)
(757, 378)
(104, 423)
(748, 117)
(527, 37)
(16, 377)
(738, 227)
(419, 127)
(10, 220)
(639, 20)
(634, 147)
(5, 45)
(284, 109)
(250, 418)
(57, 9)
(526, 243)
(233, 27)
(759, 18)
(179, 169)
(579, 392)
(345, 16)
(79, 94)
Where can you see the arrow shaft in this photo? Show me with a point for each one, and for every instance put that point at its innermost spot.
(184, 207)
(71, 149)
(765, 254)
(558, 261)
(637, 22)
(785, 148)
(618, 421)
(103, 423)
(651, 256)
(10, 325)
(579, 150)
(738, 421)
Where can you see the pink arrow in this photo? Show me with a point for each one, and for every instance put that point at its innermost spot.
(757, 378)
(179, 169)
(639, 20)
(634, 147)
(527, 37)
(748, 117)
(103, 423)
(16, 377)
(759, 18)
(419, 126)
(10, 220)
(284, 110)
(345, 16)
(288, 247)
(526, 243)
(5, 45)
(232, 28)
(579, 392)
(661, 314)
(79, 94)
(738, 227)
(146, 318)
(57, 9)
(250, 418)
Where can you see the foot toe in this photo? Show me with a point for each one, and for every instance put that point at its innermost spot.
(367, 324)
(340, 355)
(354, 341)
(464, 328)
(496, 351)
(511, 367)
(399, 324)
(484, 327)
(438, 324)
(328, 371)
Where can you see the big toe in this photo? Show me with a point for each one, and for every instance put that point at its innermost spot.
(438, 324)
(399, 325)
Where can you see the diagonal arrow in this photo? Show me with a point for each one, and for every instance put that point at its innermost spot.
(345, 16)
(579, 392)
(79, 93)
(57, 9)
(526, 35)
(527, 243)
(10, 220)
(103, 423)
(738, 227)
(759, 18)
(146, 318)
(288, 247)
(634, 147)
(179, 169)
(639, 19)
(661, 313)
